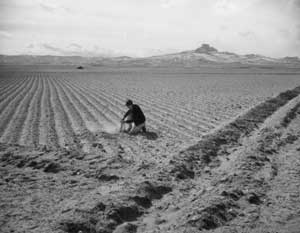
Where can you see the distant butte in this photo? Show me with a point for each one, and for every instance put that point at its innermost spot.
(206, 48)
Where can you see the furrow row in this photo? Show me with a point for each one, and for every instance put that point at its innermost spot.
(174, 117)
(153, 118)
(170, 108)
(107, 114)
(9, 110)
(76, 118)
(65, 133)
(9, 87)
(130, 145)
(190, 128)
(30, 133)
(48, 126)
(15, 125)
(111, 98)
(13, 94)
(89, 120)
(94, 122)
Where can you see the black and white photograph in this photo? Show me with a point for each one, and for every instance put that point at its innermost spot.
(149, 116)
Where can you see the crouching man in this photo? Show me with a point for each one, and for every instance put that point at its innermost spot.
(135, 118)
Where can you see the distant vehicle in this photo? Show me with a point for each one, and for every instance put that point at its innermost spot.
(80, 68)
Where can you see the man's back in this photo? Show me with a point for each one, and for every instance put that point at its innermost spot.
(138, 116)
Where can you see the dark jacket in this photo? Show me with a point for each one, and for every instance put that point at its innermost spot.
(137, 115)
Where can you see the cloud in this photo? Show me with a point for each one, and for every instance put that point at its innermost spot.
(53, 7)
(248, 34)
(47, 7)
(74, 49)
(148, 27)
(53, 49)
(5, 35)
(77, 46)
(297, 3)
(298, 32)
(284, 33)
(30, 46)
(172, 3)
(225, 7)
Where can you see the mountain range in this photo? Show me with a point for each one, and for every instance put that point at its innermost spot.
(204, 55)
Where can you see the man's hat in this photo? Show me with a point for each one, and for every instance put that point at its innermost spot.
(129, 102)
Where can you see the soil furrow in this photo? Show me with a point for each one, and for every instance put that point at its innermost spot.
(192, 128)
(11, 107)
(172, 110)
(37, 117)
(16, 124)
(51, 132)
(8, 89)
(158, 108)
(29, 132)
(109, 104)
(66, 135)
(76, 118)
(90, 118)
(14, 93)
(153, 119)
(91, 106)
(108, 116)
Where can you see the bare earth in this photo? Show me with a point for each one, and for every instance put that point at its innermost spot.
(233, 165)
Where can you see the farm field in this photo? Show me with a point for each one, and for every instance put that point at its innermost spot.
(66, 108)
(220, 153)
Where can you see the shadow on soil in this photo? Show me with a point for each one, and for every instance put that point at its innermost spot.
(151, 135)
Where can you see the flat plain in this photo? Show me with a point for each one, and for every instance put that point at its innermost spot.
(63, 157)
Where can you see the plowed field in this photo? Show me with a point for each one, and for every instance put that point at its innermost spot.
(67, 108)
(221, 153)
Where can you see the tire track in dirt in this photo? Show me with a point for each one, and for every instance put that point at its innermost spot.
(30, 132)
(15, 126)
(65, 133)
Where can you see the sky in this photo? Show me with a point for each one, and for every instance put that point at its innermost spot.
(142, 28)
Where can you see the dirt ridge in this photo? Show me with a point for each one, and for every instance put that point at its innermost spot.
(218, 143)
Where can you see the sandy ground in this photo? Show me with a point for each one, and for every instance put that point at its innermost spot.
(242, 177)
